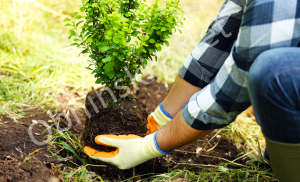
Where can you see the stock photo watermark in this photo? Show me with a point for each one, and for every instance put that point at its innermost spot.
(55, 118)
(210, 34)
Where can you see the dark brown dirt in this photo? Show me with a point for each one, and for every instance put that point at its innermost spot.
(152, 94)
(16, 163)
(15, 147)
(219, 147)
(127, 116)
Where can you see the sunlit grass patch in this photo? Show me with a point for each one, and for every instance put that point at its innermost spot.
(247, 135)
(36, 62)
(216, 173)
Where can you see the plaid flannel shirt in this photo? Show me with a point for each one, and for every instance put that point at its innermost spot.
(221, 61)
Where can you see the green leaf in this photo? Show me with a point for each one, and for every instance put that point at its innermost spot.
(67, 19)
(75, 14)
(96, 70)
(120, 35)
(110, 74)
(89, 40)
(68, 24)
(115, 53)
(133, 97)
(76, 39)
(152, 41)
(84, 51)
(78, 17)
(144, 64)
(141, 38)
(72, 32)
(74, 44)
(100, 64)
(116, 27)
(109, 32)
(69, 148)
(149, 31)
(99, 80)
(164, 29)
(105, 60)
(104, 48)
(109, 66)
(108, 37)
(151, 51)
(167, 43)
(135, 33)
(167, 37)
(85, 26)
(120, 58)
(116, 40)
(159, 48)
(120, 75)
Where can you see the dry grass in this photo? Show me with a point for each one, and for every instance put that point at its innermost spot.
(36, 62)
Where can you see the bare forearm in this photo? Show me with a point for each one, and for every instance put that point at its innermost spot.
(177, 133)
(178, 96)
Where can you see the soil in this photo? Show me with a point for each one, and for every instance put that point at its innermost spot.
(22, 160)
(127, 116)
(153, 93)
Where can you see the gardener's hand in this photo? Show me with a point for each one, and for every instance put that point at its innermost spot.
(131, 150)
(158, 119)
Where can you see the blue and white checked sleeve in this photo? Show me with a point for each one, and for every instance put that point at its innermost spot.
(203, 64)
(266, 24)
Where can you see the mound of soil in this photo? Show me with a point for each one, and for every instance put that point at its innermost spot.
(124, 117)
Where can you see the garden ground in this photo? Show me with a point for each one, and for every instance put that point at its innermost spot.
(22, 160)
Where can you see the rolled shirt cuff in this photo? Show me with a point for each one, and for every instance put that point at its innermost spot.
(198, 119)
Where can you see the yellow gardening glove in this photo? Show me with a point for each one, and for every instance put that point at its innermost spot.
(157, 119)
(131, 151)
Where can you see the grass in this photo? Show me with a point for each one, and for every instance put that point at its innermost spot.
(36, 64)
(218, 173)
(67, 147)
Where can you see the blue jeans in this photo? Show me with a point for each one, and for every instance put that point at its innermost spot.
(274, 90)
